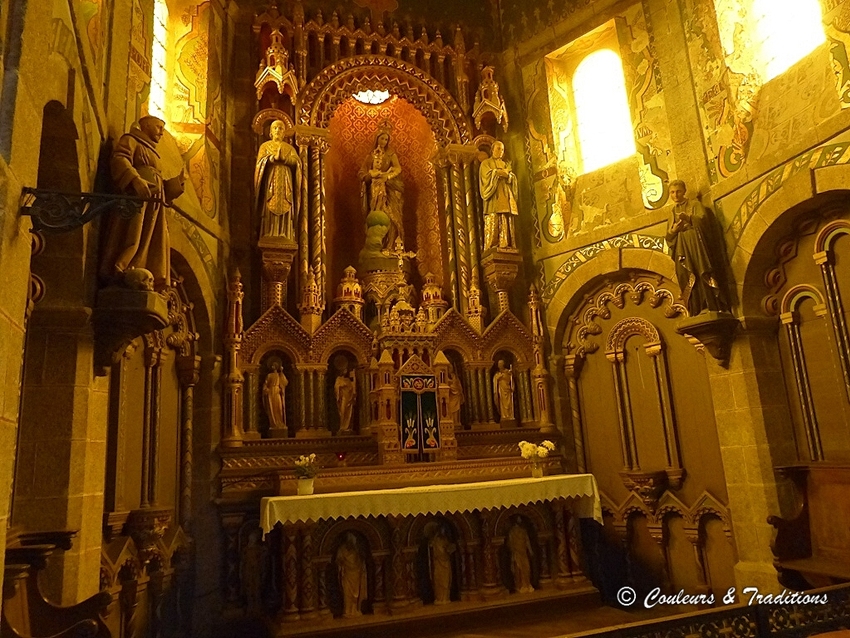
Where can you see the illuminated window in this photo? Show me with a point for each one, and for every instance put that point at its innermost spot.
(159, 77)
(605, 132)
(788, 30)
(372, 97)
(765, 37)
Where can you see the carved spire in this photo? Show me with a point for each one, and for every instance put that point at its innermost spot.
(311, 304)
(349, 293)
(489, 100)
(276, 69)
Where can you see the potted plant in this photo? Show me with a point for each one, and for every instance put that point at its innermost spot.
(535, 453)
(306, 468)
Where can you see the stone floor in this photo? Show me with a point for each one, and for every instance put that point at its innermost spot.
(556, 625)
(551, 621)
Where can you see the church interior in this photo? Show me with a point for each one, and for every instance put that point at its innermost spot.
(393, 317)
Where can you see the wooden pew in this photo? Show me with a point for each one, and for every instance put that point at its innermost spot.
(26, 613)
(812, 549)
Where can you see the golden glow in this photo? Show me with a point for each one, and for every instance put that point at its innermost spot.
(789, 30)
(159, 48)
(602, 109)
(763, 38)
(372, 97)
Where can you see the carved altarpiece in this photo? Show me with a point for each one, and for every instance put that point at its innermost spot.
(413, 320)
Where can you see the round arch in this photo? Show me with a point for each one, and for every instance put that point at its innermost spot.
(754, 254)
(590, 273)
(340, 81)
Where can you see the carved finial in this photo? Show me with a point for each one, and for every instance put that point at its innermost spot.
(335, 20)
(460, 47)
(320, 19)
(438, 39)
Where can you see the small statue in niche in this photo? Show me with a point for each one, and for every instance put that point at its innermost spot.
(440, 549)
(383, 188)
(274, 396)
(456, 397)
(141, 242)
(503, 391)
(695, 242)
(352, 576)
(345, 391)
(521, 553)
(498, 190)
(277, 190)
(251, 564)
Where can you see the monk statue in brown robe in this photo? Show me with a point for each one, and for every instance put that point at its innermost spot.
(141, 242)
(695, 242)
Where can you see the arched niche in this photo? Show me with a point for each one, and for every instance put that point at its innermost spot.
(353, 130)
(341, 373)
(637, 392)
(275, 358)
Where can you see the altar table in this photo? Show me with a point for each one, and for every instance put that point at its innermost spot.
(435, 499)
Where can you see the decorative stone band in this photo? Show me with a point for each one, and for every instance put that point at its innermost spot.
(434, 499)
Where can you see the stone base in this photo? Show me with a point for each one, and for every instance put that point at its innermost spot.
(313, 433)
(485, 426)
(501, 267)
(120, 316)
(756, 574)
(278, 433)
(508, 424)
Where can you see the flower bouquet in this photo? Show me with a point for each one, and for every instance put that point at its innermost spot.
(534, 453)
(306, 468)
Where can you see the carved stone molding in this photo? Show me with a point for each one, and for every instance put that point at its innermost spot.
(122, 315)
(713, 331)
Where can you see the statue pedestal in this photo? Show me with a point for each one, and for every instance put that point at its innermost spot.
(277, 253)
(278, 433)
(712, 331)
(501, 266)
(120, 316)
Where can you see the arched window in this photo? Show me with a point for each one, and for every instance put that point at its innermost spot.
(788, 30)
(159, 47)
(766, 37)
(605, 132)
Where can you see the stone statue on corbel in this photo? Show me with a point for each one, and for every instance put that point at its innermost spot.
(501, 257)
(696, 245)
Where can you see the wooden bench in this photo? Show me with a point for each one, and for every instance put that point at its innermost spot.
(812, 549)
(26, 613)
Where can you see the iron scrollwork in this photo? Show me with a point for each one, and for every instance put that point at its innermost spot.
(56, 212)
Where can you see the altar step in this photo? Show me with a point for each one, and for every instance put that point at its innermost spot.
(419, 620)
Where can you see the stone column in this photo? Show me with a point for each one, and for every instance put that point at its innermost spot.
(250, 400)
(62, 445)
(755, 434)
(188, 370)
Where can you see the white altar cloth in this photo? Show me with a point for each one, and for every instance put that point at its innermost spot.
(434, 499)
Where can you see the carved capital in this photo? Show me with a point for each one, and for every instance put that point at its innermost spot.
(649, 486)
(146, 527)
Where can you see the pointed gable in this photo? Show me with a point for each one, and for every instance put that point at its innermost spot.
(507, 333)
(343, 330)
(275, 327)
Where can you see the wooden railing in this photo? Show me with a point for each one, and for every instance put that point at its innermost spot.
(747, 620)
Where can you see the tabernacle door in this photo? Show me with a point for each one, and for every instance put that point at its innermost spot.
(419, 416)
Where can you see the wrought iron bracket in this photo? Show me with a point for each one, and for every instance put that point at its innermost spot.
(55, 212)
